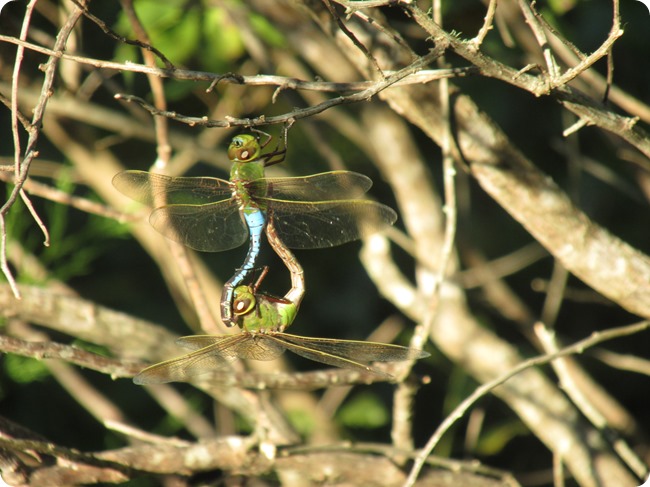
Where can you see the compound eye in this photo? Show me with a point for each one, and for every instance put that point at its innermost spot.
(243, 154)
(243, 304)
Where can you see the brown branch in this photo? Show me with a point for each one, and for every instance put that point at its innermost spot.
(51, 350)
(283, 82)
(84, 319)
(591, 111)
(336, 466)
(460, 410)
(297, 114)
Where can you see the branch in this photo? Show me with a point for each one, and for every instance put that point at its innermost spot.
(282, 82)
(84, 319)
(50, 350)
(460, 410)
(297, 114)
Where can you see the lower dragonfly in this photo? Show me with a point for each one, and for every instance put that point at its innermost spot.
(263, 319)
(262, 338)
(211, 214)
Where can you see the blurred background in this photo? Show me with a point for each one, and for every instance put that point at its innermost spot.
(88, 135)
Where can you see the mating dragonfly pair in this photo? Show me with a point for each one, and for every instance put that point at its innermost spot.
(211, 215)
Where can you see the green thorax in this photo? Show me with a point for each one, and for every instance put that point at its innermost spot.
(261, 313)
(241, 174)
(244, 152)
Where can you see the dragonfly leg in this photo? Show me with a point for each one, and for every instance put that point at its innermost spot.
(259, 280)
(278, 155)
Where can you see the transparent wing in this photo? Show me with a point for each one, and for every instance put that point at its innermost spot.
(310, 351)
(197, 342)
(321, 224)
(333, 185)
(358, 350)
(190, 365)
(209, 228)
(255, 346)
(158, 190)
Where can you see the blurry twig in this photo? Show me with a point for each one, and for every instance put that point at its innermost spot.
(482, 274)
(623, 362)
(163, 148)
(80, 203)
(51, 350)
(580, 396)
(577, 348)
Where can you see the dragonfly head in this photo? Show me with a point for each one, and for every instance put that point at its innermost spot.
(244, 148)
(244, 300)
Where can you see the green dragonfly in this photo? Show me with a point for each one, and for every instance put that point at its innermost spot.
(212, 214)
(263, 319)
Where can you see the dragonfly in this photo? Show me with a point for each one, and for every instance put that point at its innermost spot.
(211, 214)
(263, 319)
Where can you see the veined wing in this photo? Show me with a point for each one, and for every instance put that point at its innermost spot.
(333, 185)
(321, 224)
(209, 228)
(159, 190)
(359, 350)
(190, 365)
(255, 346)
(309, 350)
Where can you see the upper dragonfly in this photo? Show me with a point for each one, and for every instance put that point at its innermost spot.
(212, 214)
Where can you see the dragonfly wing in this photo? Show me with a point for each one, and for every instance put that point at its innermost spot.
(359, 350)
(197, 342)
(333, 185)
(260, 347)
(159, 190)
(321, 224)
(255, 346)
(190, 365)
(311, 351)
(209, 228)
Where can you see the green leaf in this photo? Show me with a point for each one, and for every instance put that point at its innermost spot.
(364, 410)
(301, 420)
(172, 27)
(24, 369)
(223, 43)
(267, 31)
(495, 439)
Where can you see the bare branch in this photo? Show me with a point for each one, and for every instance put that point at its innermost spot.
(469, 401)
(116, 368)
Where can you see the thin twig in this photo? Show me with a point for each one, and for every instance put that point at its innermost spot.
(552, 68)
(145, 46)
(460, 410)
(18, 166)
(363, 95)
(284, 82)
(580, 398)
(359, 45)
(84, 204)
(487, 25)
